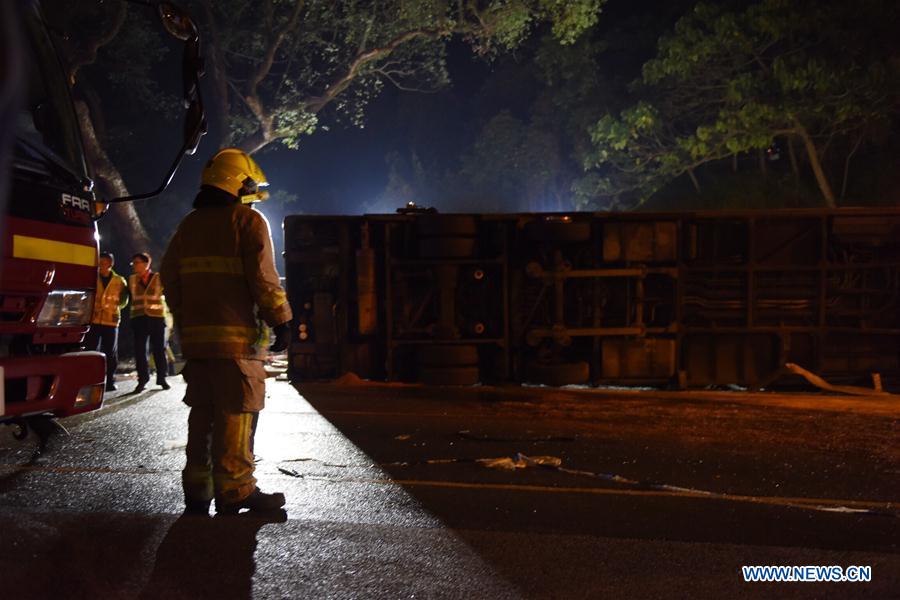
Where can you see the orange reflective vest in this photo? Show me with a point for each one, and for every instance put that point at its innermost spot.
(221, 283)
(110, 300)
(147, 301)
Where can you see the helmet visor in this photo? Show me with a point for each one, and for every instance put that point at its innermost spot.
(250, 191)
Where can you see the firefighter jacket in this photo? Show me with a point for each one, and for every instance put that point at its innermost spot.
(220, 277)
(110, 300)
(147, 301)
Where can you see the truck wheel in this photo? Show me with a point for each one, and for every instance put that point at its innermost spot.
(449, 375)
(557, 231)
(569, 373)
(448, 355)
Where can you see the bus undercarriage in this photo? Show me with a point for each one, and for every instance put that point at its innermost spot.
(685, 300)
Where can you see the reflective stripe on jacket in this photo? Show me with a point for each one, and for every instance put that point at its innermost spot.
(221, 283)
(147, 301)
(110, 300)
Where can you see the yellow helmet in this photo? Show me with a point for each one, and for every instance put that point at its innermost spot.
(233, 171)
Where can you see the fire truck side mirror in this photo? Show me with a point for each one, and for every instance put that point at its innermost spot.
(194, 126)
(195, 120)
(176, 21)
(180, 25)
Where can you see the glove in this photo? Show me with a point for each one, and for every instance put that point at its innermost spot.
(282, 337)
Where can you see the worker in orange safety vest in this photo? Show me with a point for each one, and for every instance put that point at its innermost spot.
(148, 321)
(222, 287)
(110, 299)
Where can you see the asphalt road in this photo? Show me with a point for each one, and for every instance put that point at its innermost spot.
(393, 492)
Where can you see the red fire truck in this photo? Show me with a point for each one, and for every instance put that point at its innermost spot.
(48, 272)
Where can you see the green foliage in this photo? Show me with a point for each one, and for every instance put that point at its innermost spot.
(292, 123)
(528, 128)
(333, 58)
(279, 70)
(511, 23)
(730, 81)
(570, 19)
(525, 154)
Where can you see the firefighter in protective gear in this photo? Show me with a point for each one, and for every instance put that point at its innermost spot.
(233, 171)
(111, 298)
(220, 279)
(148, 321)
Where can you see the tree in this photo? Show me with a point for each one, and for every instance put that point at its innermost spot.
(523, 156)
(280, 69)
(278, 66)
(531, 118)
(525, 123)
(730, 80)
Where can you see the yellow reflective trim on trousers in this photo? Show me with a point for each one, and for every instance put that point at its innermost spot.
(240, 476)
(226, 265)
(273, 299)
(215, 333)
(25, 246)
(248, 428)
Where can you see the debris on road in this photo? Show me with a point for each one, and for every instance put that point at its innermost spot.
(171, 445)
(322, 462)
(290, 472)
(840, 389)
(519, 461)
(465, 433)
(350, 378)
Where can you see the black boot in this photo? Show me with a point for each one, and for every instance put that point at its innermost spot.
(197, 507)
(257, 501)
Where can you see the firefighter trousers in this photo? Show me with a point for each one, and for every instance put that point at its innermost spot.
(225, 396)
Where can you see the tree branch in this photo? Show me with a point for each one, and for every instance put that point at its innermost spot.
(252, 97)
(847, 163)
(317, 103)
(266, 65)
(390, 76)
(814, 162)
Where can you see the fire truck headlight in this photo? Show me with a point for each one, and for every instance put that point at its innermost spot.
(89, 394)
(66, 308)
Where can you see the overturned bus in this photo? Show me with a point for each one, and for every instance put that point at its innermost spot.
(687, 299)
